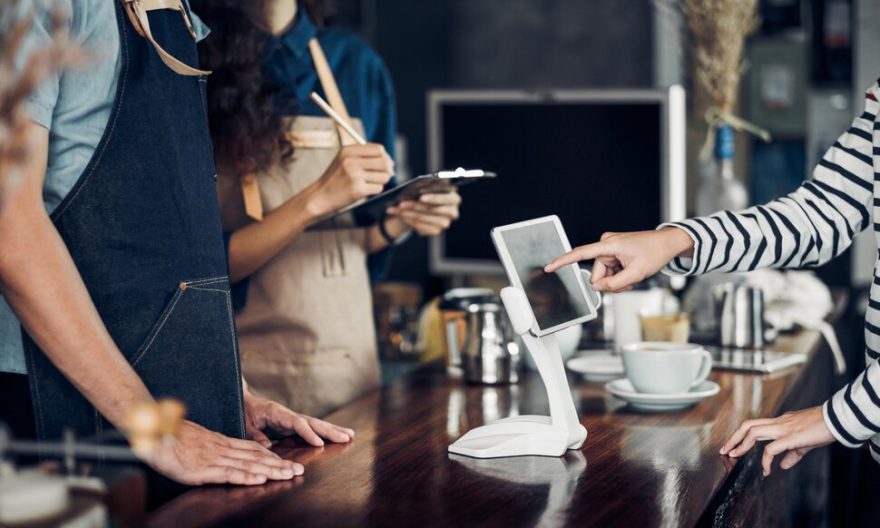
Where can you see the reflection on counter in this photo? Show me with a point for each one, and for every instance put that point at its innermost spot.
(559, 475)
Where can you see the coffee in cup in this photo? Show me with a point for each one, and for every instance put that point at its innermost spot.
(665, 368)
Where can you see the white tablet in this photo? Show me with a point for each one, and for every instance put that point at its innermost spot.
(558, 299)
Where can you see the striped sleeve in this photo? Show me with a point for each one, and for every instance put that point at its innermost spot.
(853, 413)
(806, 228)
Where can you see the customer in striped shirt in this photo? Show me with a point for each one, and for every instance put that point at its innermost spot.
(806, 228)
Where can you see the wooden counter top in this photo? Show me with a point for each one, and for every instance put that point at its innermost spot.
(634, 469)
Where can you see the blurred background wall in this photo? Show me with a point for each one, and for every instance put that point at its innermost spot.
(511, 44)
(804, 47)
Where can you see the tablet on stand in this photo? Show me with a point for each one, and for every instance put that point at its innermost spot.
(539, 304)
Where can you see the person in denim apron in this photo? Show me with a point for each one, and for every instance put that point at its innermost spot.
(307, 332)
(142, 228)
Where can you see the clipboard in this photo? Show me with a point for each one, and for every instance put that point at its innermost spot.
(374, 207)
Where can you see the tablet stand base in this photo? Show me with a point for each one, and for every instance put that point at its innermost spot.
(530, 435)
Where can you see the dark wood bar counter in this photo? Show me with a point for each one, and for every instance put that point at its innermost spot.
(634, 469)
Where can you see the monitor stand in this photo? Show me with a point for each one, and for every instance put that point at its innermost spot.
(530, 435)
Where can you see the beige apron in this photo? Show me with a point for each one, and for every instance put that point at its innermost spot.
(306, 333)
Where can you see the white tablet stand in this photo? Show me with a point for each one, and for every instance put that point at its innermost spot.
(530, 435)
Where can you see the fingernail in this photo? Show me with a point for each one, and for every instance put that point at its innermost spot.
(287, 473)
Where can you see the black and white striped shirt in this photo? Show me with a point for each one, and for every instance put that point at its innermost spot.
(809, 227)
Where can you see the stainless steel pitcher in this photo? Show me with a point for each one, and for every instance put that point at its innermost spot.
(741, 314)
(491, 355)
(453, 307)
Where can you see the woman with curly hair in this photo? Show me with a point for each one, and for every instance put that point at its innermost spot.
(306, 326)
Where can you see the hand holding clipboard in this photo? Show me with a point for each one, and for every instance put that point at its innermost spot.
(372, 209)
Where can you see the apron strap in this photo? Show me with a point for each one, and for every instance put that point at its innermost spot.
(137, 13)
(331, 90)
(250, 193)
(334, 98)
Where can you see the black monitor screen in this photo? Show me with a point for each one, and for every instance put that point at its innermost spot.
(597, 165)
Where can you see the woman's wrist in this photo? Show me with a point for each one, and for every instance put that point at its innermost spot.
(392, 228)
(387, 232)
(681, 243)
(310, 201)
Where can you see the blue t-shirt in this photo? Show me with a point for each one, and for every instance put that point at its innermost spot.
(74, 105)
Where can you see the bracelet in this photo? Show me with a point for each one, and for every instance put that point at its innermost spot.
(383, 230)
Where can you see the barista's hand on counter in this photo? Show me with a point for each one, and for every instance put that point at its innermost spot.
(265, 415)
(794, 433)
(199, 456)
(357, 172)
(429, 216)
(621, 260)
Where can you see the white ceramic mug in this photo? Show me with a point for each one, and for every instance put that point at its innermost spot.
(625, 309)
(665, 368)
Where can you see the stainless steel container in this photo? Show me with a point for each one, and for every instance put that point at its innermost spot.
(490, 355)
(741, 314)
(454, 307)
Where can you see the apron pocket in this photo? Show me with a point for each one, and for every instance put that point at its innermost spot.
(191, 354)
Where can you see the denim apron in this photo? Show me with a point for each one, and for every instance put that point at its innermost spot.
(143, 227)
(307, 334)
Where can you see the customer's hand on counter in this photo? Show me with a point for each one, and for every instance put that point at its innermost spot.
(622, 260)
(199, 456)
(265, 415)
(429, 216)
(795, 434)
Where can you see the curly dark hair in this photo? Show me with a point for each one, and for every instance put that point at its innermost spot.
(243, 110)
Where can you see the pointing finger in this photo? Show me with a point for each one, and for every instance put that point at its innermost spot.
(590, 251)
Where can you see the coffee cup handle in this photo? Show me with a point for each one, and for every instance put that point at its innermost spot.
(705, 369)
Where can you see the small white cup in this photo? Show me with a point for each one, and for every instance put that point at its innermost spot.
(665, 368)
(625, 309)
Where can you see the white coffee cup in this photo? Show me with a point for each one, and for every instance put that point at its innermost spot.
(665, 368)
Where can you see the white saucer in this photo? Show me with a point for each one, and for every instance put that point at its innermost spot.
(598, 365)
(623, 389)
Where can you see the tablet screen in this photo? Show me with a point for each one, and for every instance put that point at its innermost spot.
(556, 298)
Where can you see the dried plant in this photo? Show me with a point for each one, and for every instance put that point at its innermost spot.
(17, 81)
(718, 29)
